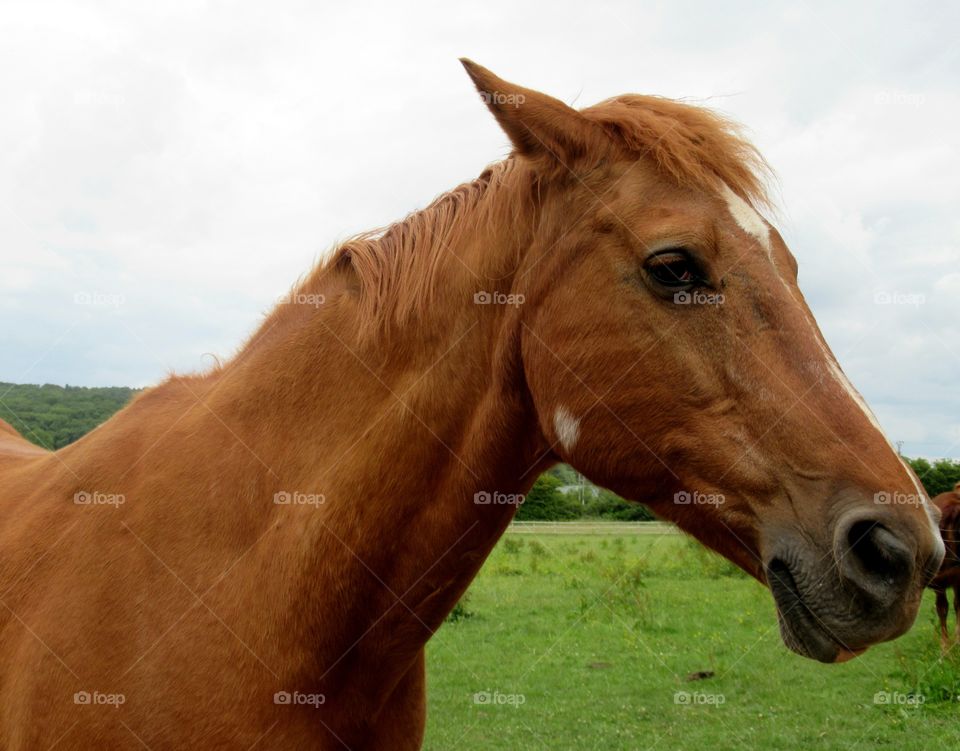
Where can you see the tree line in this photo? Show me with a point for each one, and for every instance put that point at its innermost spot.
(53, 416)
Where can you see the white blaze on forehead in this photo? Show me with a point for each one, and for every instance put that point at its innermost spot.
(567, 428)
(748, 219)
(841, 378)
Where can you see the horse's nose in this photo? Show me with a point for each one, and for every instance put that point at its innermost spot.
(877, 556)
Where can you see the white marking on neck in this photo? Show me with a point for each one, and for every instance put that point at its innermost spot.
(567, 428)
(748, 219)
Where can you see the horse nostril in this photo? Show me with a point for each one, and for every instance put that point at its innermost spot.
(876, 559)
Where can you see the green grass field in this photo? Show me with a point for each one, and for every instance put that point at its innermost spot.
(589, 642)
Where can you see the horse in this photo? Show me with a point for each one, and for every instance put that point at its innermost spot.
(949, 575)
(256, 555)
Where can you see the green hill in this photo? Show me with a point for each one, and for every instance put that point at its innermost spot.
(53, 416)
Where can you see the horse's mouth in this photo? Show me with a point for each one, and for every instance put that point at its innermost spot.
(800, 628)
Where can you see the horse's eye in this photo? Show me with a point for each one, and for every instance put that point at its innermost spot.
(673, 269)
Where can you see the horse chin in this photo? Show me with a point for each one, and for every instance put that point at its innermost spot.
(800, 629)
(809, 640)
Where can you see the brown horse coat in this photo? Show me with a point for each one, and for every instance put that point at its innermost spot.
(949, 575)
(255, 557)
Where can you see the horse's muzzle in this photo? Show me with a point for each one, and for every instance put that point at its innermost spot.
(834, 601)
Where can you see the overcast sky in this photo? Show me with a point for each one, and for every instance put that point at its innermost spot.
(168, 169)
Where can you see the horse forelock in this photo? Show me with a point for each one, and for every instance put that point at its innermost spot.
(695, 146)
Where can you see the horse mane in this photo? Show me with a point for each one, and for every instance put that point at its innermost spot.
(399, 266)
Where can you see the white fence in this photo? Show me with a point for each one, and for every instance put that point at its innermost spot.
(581, 527)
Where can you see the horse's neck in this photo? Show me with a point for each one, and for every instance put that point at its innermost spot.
(413, 523)
(395, 447)
(406, 453)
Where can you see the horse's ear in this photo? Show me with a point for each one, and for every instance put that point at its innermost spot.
(537, 124)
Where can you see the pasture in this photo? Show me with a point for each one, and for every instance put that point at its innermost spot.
(589, 640)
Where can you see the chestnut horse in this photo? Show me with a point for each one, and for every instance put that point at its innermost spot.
(256, 556)
(949, 575)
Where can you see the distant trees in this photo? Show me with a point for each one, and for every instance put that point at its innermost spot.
(938, 476)
(53, 416)
(544, 501)
(547, 500)
(608, 505)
